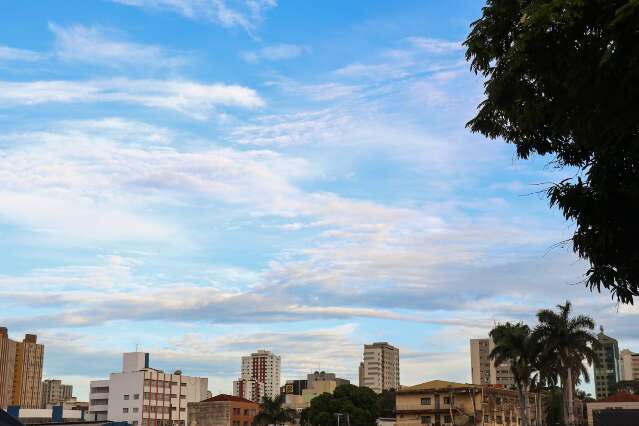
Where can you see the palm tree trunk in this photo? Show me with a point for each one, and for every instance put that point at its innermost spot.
(540, 421)
(571, 410)
(523, 407)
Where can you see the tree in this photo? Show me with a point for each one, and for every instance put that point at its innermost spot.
(273, 412)
(387, 403)
(562, 79)
(514, 345)
(358, 406)
(570, 341)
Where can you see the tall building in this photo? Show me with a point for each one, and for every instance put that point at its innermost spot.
(380, 368)
(484, 371)
(55, 392)
(20, 371)
(260, 376)
(607, 372)
(144, 396)
(629, 365)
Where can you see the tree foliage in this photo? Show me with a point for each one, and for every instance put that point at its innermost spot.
(273, 412)
(562, 79)
(359, 406)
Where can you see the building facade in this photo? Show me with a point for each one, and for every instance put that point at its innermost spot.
(484, 371)
(223, 410)
(260, 376)
(379, 370)
(20, 371)
(444, 403)
(55, 392)
(607, 370)
(143, 396)
(623, 406)
(300, 393)
(629, 365)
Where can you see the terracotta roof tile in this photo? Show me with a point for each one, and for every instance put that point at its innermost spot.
(620, 397)
(225, 397)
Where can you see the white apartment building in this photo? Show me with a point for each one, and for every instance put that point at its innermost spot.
(483, 370)
(629, 365)
(143, 396)
(380, 368)
(260, 376)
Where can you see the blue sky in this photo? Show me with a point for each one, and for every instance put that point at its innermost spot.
(204, 178)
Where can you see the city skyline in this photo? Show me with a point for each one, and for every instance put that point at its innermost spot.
(204, 182)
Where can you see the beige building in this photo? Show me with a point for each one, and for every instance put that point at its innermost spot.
(483, 370)
(20, 371)
(300, 393)
(380, 367)
(617, 405)
(55, 392)
(223, 410)
(629, 363)
(260, 376)
(445, 403)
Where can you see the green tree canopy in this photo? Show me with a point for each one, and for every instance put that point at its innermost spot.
(562, 78)
(359, 406)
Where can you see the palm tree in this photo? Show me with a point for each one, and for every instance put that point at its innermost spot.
(273, 412)
(546, 377)
(514, 345)
(569, 341)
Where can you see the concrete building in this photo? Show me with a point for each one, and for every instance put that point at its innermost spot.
(483, 370)
(621, 409)
(55, 392)
(380, 368)
(629, 365)
(223, 410)
(20, 371)
(607, 370)
(144, 396)
(445, 403)
(300, 393)
(260, 376)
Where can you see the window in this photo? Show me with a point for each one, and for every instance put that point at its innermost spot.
(135, 409)
(134, 423)
(498, 420)
(446, 400)
(126, 397)
(182, 384)
(236, 411)
(125, 410)
(425, 401)
(182, 409)
(425, 420)
(136, 396)
(486, 418)
(447, 419)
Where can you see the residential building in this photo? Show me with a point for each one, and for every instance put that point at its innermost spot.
(300, 393)
(607, 368)
(55, 392)
(484, 371)
(260, 376)
(445, 403)
(380, 368)
(144, 396)
(620, 409)
(629, 365)
(71, 404)
(20, 371)
(223, 410)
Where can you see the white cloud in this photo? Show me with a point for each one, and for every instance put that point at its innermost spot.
(12, 54)
(434, 45)
(276, 52)
(101, 46)
(194, 99)
(246, 14)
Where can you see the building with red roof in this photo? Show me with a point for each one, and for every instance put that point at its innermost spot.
(222, 410)
(618, 409)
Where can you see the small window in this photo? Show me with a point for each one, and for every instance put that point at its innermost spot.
(126, 397)
(447, 419)
(498, 420)
(182, 384)
(486, 418)
(136, 396)
(182, 409)
(135, 409)
(446, 400)
(125, 410)
(425, 420)
(425, 401)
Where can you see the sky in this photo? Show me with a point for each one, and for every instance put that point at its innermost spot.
(200, 179)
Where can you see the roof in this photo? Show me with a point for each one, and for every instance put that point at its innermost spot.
(7, 420)
(227, 398)
(620, 397)
(437, 384)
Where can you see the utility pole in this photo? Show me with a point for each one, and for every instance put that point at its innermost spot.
(338, 415)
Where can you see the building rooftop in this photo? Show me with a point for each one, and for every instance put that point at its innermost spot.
(227, 398)
(620, 397)
(437, 384)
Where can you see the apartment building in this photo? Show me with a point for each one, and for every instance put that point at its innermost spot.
(144, 396)
(484, 371)
(445, 403)
(20, 371)
(380, 368)
(607, 369)
(260, 376)
(629, 365)
(223, 410)
(55, 392)
(300, 393)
